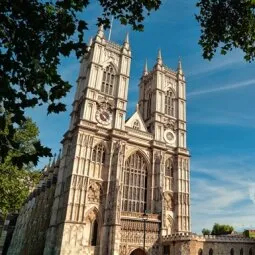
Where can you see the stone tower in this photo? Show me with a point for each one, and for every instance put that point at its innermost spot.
(119, 184)
(162, 104)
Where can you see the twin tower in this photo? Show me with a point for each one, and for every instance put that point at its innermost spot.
(120, 184)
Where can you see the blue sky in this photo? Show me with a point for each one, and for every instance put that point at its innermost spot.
(220, 114)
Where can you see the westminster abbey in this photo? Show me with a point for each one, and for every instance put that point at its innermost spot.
(120, 184)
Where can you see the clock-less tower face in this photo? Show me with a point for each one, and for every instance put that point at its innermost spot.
(169, 136)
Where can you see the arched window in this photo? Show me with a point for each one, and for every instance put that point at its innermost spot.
(108, 80)
(134, 184)
(200, 252)
(232, 252)
(250, 251)
(169, 103)
(93, 234)
(98, 153)
(136, 125)
(169, 169)
(241, 251)
(211, 251)
(149, 104)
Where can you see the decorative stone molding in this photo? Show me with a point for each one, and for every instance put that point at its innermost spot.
(94, 193)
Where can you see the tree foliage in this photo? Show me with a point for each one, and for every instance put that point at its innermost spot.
(206, 231)
(219, 229)
(34, 35)
(227, 24)
(16, 179)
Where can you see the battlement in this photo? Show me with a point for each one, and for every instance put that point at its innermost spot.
(168, 69)
(112, 45)
(206, 238)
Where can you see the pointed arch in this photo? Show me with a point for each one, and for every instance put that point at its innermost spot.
(170, 102)
(169, 168)
(241, 251)
(250, 251)
(232, 252)
(142, 153)
(108, 80)
(135, 174)
(211, 251)
(93, 233)
(138, 251)
(92, 221)
(200, 252)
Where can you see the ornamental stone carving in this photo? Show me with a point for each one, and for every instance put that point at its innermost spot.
(170, 124)
(94, 193)
(169, 203)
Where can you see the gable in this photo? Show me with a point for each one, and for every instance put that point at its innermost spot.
(136, 122)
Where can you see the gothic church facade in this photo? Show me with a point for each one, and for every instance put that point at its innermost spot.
(115, 177)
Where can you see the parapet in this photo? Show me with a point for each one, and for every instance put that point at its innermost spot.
(187, 236)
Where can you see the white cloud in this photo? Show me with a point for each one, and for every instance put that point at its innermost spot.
(232, 86)
(218, 63)
(223, 191)
(252, 192)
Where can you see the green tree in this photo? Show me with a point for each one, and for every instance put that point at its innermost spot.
(206, 231)
(227, 24)
(219, 229)
(34, 35)
(16, 179)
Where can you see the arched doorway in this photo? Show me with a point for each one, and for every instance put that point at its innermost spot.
(138, 252)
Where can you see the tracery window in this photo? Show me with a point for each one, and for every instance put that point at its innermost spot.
(241, 251)
(136, 125)
(169, 169)
(108, 80)
(250, 251)
(134, 194)
(98, 153)
(211, 251)
(169, 103)
(200, 252)
(232, 251)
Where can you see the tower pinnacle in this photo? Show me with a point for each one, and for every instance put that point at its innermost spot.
(89, 44)
(145, 70)
(159, 58)
(126, 42)
(179, 69)
(100, 31)
(127, 38)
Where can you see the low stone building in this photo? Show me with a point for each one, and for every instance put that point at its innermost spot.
(192, 244)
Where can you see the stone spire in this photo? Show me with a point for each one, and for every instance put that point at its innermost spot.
(126, 42)
(100, 34)
(145, 70)
(54, 160)
(179, 68)
(89, 44)
(59, 157)
(100, 31)
(127, 38)
(159, 58)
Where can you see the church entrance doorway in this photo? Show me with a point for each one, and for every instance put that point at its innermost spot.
(138, 252)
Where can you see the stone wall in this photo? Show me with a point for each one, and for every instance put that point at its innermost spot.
(33, 221)
(192, 244)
